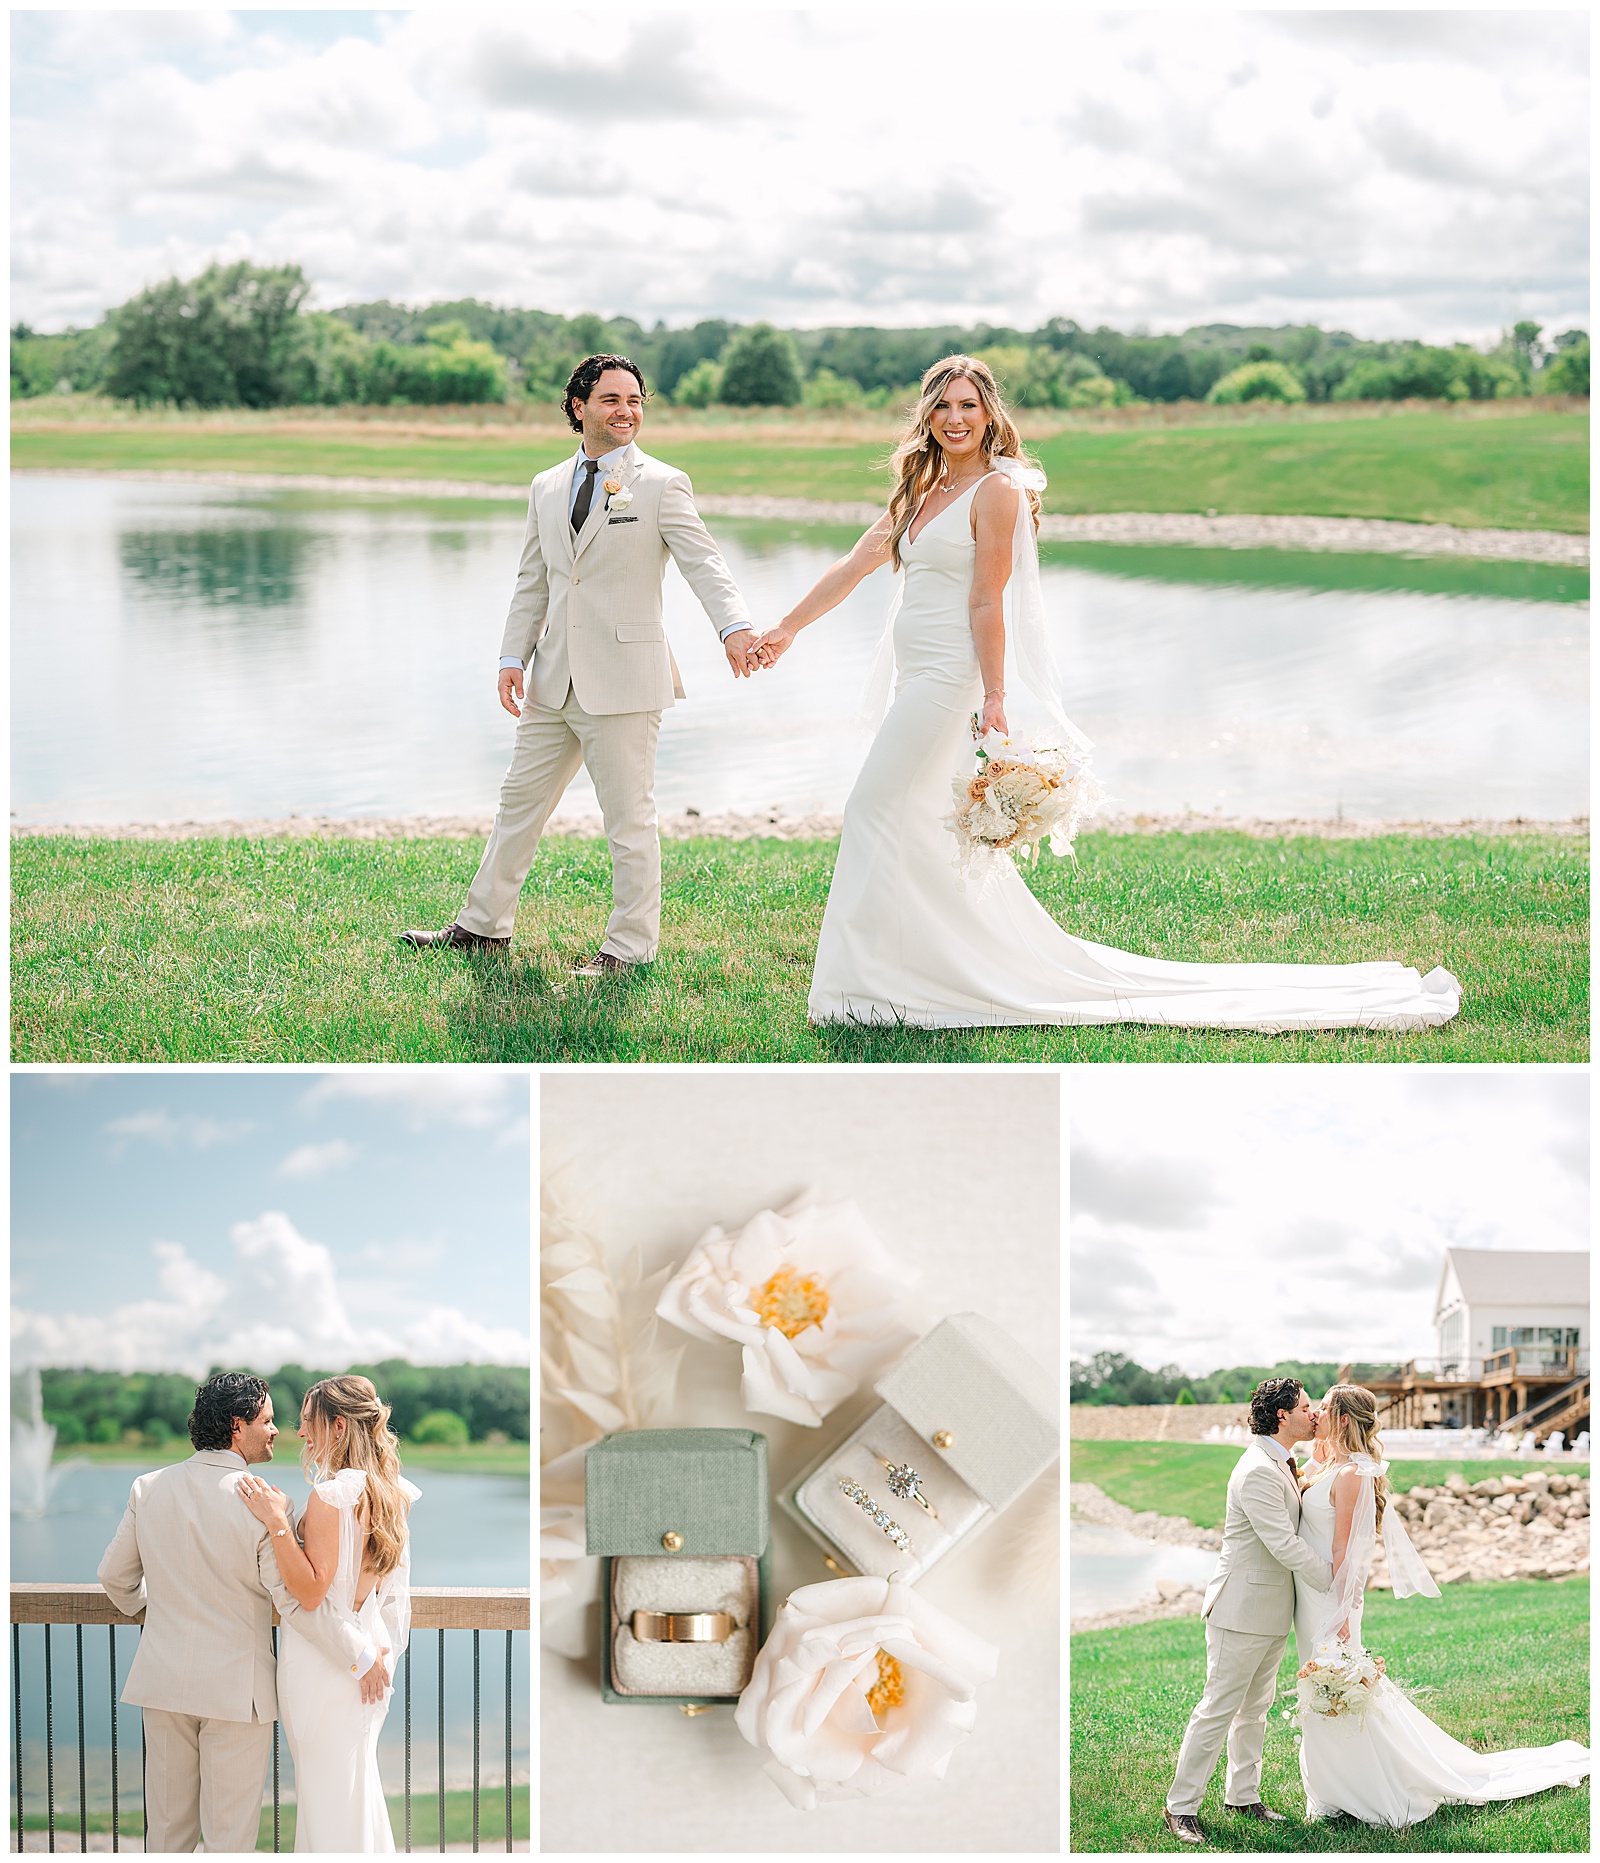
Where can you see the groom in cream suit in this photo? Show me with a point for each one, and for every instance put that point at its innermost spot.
(1249, 1611)
(587, 615)
(194, 1564)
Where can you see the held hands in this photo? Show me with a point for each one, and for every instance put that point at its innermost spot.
(739, 648)
(375, 1681)
(770, 647)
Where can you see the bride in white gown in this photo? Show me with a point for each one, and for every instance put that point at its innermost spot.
(1392, 1765)
(355, 1559)
(903, 939)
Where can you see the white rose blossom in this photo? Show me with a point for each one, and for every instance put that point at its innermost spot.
(861, 1686)
(809, 1292)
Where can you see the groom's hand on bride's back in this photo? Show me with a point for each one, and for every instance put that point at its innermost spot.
(511, 689)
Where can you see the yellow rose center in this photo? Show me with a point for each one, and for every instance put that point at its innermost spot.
(890, 1688)
(791, 1302)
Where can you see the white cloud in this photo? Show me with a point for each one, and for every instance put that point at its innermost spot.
(173, 1130)
(307, 1161)
(276, 1301)
(474, 1098)
(1397, 174)
(1227, 1216)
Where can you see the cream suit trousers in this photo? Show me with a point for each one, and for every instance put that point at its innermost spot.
(619, 752)
(203, 1779)
(1241, 1680)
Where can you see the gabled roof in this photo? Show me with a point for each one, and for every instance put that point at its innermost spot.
(1518, 1277)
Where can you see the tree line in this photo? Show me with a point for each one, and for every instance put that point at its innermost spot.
(1114, 1378)
(429, 1403)
(240, 335)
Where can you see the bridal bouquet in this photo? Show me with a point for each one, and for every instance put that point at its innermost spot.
(1332, 1685)
(1019, 797)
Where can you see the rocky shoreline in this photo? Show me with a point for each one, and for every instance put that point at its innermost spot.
(1505, 1527)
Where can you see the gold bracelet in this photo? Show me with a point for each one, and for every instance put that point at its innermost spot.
(683, 1626)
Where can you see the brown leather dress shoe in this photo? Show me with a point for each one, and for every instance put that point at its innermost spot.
(602, 964)
(1185, 1828)
(455, 938)
(1263, 1814)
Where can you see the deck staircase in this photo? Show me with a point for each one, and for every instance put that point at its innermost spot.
(1559, 1411)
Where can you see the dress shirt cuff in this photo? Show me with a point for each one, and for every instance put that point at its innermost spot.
(734, 627)
(510, 661)
(363, 1662)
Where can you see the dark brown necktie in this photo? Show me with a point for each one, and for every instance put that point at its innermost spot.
(580, 510)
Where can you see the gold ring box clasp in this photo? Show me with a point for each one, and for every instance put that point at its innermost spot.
(683, 1626)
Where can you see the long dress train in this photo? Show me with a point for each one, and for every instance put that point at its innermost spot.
(332, 1733)
(904, 941)
(1394, 1766)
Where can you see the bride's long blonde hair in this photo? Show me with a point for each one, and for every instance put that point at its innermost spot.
(1354, 1427)
(918, 461)
(366, 1443)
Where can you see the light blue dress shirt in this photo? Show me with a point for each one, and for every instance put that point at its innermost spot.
(608, 462)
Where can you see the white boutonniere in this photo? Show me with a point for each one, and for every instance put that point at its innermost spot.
(618, 498)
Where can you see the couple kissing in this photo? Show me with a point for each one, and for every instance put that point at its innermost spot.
(1299, 1556)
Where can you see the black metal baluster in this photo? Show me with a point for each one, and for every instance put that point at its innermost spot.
(277, 1801)
(144, 1784)
(16, 1702)
(49, 1742)
(116, 1838)
(475, 1762)
(508, 1741)
(83, 1769)
(441, 1740)
(408, 1744)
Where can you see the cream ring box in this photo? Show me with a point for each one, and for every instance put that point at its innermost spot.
(681, 1522)
(974, 1416)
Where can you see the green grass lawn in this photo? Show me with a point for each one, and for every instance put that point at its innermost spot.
(1521, 470)
(424, 1820)
(1189, 1481)
(1497, 1666)
(285, 950)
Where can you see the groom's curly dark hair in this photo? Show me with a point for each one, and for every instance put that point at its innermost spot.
(224, 1396)
(1269, 1397)
(580, 383)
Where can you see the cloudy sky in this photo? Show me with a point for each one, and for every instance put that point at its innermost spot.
(169, 1222)
(1233, 1216)
(1392, 173)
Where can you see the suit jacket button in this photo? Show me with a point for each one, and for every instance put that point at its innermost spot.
(574, 581)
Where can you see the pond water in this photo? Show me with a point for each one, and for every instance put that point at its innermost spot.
(192, 652)
(1113, 1570)
(466, 1530)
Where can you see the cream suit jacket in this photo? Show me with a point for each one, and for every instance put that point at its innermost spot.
(1253, 1589)
(197, 1563)
(600, 592)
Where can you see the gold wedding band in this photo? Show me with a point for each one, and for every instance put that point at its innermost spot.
(683, 1626)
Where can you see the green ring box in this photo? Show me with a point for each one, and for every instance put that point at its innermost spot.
(707, 1486)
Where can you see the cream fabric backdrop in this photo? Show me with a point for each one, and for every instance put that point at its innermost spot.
(959, 1173)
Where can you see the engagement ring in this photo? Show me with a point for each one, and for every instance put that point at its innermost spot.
(905, 1484)
(870, 1507)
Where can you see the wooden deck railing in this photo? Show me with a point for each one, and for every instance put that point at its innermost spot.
(437, 1609)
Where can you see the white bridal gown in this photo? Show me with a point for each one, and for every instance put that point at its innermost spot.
(904, 941)
(332, 1733)
(1395, 1767)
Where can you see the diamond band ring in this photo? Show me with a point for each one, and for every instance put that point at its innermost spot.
(683, 1626)
(891, 1528)
(906, 1485)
